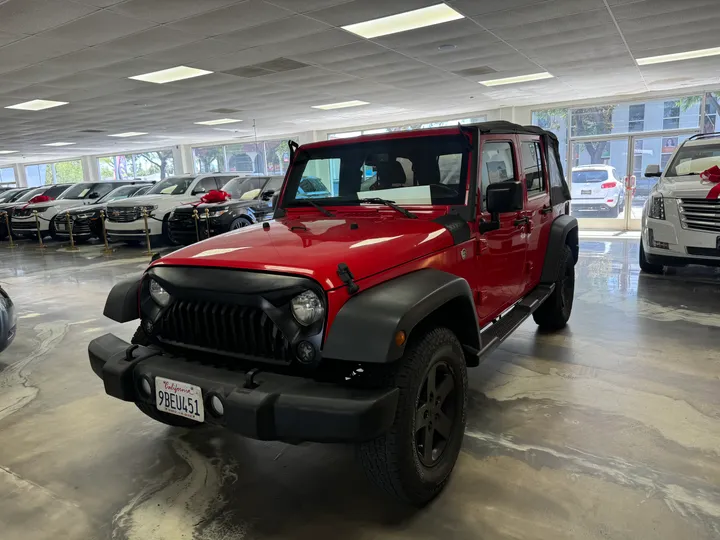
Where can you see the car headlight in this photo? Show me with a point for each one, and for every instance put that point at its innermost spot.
(307, 308)
(157, 293)
(148, 208)
(41, 209)
(83, 216)
(657, 207)
(217, 212)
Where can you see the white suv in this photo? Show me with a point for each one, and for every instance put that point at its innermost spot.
(125, 220)
(680, 225)
(597, 188)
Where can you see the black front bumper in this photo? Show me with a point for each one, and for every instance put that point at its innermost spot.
(273, 407)
(679, 261)
(183, 231)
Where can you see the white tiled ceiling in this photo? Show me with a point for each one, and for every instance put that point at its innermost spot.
(274, 59)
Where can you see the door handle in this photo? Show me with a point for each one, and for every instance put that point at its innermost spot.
(546, 209)
(522, 221)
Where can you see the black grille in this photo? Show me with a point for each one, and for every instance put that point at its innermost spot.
(24, 225)
(79, 226)
(244, 331)
(703, 252)
(23, 212)
(120, 214)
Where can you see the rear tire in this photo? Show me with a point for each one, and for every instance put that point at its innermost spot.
(406, 462)
(647, 267)
(555, 311)
(141, 338)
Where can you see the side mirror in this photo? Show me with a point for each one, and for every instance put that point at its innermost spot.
(503, 197)
(653, 171)
(199, 191)
(94, 195)
(267, 195)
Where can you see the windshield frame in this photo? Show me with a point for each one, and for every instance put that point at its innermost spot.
(464, 201)
(191, 180)
(671, 170)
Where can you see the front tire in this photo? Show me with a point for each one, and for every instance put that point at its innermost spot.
(239, 223)
(554, 312)
(647, 267)
(141, 338)
(414, 459)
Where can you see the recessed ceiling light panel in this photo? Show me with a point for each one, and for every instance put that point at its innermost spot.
(8, 151)
(519, 79)
(340, 105)
(676, 57)
(218, 122)
(178, 73)
(37, 105)
(129, 134)
(59, 144)
(402, 22)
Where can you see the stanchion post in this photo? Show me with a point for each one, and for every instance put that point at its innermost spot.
(37, 227)
(207, 223)
(147, 231)
(196, 217)
(68, 220)
(7, 224)
(107, 249)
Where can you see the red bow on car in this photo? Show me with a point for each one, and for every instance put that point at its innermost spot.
(712, 175)
(215, 196)
(38, 199)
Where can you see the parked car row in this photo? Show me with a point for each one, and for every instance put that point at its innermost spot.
(168, 205)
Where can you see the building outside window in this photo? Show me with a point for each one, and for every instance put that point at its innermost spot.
(636, 118)
(7, 176)
(61, 172)
(671, 118)
(264, 157)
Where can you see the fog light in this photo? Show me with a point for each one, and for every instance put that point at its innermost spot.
(654, 243)
(216, 406)
(148, 326)
(145, 387)
(305, 352)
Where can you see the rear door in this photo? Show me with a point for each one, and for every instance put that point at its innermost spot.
(500, 253)
(538, 210)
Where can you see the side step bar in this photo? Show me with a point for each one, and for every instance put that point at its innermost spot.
(495, 333)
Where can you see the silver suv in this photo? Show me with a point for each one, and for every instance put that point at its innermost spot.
(597, 188)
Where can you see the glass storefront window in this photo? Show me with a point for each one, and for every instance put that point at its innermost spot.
(62, 172)
(264, 157)
(209, 159)
(245, 158)
(151, 165)
(7, 175)
(68, 172)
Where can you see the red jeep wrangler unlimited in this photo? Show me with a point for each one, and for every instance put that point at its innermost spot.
(353, 316)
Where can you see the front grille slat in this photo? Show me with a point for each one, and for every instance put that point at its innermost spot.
(700, 214)
(225, 329)
(120, 214)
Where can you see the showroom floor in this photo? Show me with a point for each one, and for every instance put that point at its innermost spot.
(610, 429)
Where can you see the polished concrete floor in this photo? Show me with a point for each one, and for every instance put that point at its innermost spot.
(607, 430)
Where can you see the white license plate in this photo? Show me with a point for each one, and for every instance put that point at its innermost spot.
(586, 192)
(179, 398)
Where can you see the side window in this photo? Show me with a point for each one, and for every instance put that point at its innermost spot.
(554, 171)
(208, 184)
(497, 164)
(532, 165)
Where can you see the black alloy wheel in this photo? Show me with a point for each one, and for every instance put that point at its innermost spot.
(434, 413)
(239, 223)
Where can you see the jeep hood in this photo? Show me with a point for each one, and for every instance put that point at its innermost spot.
(314, 247)
(685, 186)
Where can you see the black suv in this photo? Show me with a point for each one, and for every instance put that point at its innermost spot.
(250, 202)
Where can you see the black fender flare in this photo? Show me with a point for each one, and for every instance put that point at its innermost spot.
(365, 327)
(122, 302)
(564, 231)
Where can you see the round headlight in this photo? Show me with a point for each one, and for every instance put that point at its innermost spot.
(160, 295)
(307, 308)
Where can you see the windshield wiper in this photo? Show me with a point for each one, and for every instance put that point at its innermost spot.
(391, 204)
(325, 211)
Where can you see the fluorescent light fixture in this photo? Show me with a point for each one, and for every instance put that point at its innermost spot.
(171, 75)
(518, 79)
(218, 122)
(59, 144)
(8, 151)
(128, 134)
(37, 105)
(402, 22)
(340, 105)
(688, 55)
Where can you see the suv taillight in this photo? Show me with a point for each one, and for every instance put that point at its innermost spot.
(608, 185)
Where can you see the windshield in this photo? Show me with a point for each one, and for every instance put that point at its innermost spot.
(414, 171)
(122, 192)
(694, 160)
(245, 188)
(78, 191)
(10, 195)
(589, 176)
(32, 193)
(172, 186)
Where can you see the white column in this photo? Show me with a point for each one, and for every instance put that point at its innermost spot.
(20, 178)
(183, 157)
(90, 169)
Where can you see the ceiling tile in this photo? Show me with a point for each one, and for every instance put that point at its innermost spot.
(542, 11)
(364, 10)
(244, 15)
(99, 27)
(31, 50)
(164, 11)
(149, 41)
(274, 32)
(33, 16)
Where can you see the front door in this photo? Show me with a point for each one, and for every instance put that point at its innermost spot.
(500, 253)
(538, 210)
